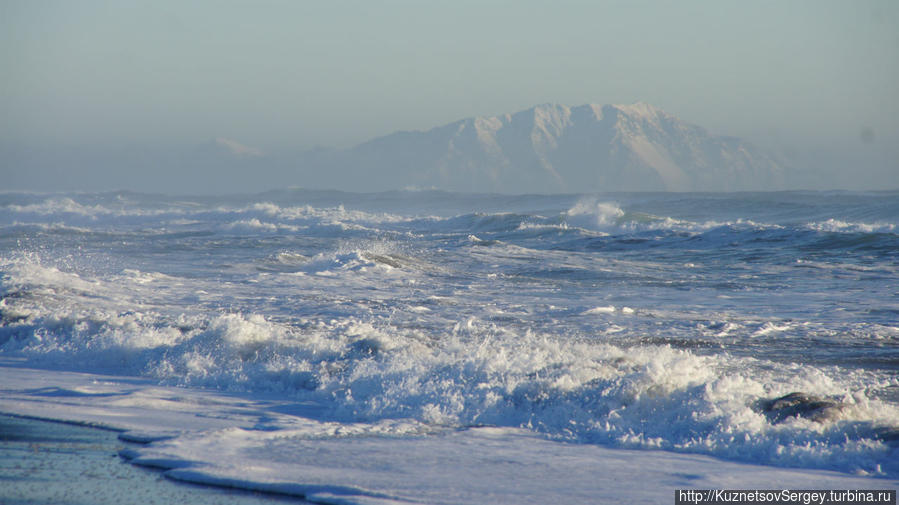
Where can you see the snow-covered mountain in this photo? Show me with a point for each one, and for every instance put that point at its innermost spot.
(555, 148)
(544, 149)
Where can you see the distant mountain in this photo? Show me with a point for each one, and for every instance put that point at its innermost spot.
(545, 149)
(555, 148)
(236, 148)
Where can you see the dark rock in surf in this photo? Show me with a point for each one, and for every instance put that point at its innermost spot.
(367, 347)
(802, 405)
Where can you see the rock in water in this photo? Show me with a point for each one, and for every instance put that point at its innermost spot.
(801, 405)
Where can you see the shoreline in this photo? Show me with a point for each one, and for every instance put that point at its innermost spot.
(273, 450)
(71, 463)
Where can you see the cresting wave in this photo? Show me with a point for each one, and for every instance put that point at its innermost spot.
(475, 372)
(680, 322)
(586, 214)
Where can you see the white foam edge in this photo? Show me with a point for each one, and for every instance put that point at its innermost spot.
(218, 442)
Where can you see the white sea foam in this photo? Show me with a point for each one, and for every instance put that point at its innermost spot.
(591, 214)
(588, 214)
(601, 310)
(46, 227)
(769, 328)
(595, 214)
(585, 321)
(263, 444)
(64, 211)
(256, 224)
(479, 373)
(61, 205)
(836, 225)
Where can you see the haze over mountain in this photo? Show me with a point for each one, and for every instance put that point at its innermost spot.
(556, 148)
(545, 149)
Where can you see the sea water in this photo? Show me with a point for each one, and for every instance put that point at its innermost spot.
(65, 464)
(632, 321)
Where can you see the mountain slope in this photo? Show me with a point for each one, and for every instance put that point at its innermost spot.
(555, 148)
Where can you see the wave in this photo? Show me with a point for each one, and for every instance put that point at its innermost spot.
(477, 371)
(586, 215)
(649, 321)
(592, 225)
(605, 216)
(23, 229)
(838, 226)
(66, 214)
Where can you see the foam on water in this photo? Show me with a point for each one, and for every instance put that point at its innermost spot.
(476, 373)
(835, 225)
(588, 321)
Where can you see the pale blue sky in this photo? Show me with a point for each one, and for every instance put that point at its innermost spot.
(789, 75)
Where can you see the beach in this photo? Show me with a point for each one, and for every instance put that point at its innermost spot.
(215, 440)
(67, 464)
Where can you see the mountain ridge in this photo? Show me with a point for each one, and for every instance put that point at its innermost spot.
(558, 148)
(548, 148)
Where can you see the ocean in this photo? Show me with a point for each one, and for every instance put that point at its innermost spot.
(749, 328)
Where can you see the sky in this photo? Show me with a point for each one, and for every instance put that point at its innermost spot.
(813, 81)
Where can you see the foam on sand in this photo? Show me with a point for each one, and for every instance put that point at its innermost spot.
(274, 445)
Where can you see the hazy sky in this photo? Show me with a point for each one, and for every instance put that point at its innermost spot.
(789, 75)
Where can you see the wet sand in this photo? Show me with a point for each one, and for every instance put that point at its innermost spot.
(44, 462)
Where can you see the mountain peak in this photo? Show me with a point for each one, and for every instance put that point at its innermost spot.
(557, 148)
(640, 109)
